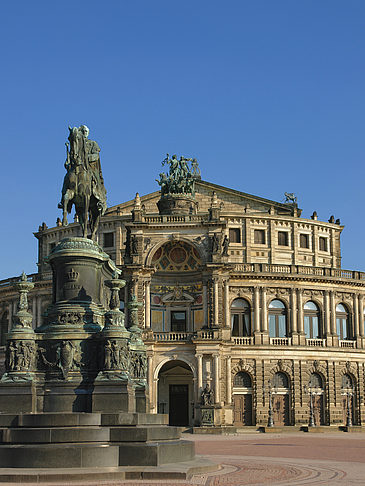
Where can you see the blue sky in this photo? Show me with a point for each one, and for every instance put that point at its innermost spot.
(267, 95)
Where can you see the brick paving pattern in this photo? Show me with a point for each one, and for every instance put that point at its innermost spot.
(265, 459)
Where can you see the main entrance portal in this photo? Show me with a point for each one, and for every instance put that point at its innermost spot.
(175, 392)
(178, 405)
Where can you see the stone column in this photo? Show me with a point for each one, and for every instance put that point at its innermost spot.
(205, 304)
(361, 315)
(300, 322)
(126, 300)
(256, 309)
(199, 383)
(264, 323)
(327, 314)
(229, 381)
(226, 304)
(293, 316)
(10, 315)
(333, 313)
(150, 382)
(216, 301)
(147, 304)
(39, 311)
(356, 316)
(34, 311)
(216, 378)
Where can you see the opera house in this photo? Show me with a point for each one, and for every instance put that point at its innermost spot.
(239, 293)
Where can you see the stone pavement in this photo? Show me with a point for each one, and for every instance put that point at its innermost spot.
(272, 459)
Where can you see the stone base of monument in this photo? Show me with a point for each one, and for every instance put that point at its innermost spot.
(51, 441)
(172, 204)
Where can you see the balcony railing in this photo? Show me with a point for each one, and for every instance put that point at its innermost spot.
(347, 344)
(298, 270)
(316, 342)
(172, 336)
(243, 341)
(189, 218)
(284, 341)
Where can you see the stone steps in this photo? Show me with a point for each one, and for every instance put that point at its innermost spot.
(55, 439)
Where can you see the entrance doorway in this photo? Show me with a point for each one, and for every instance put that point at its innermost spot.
(281, 410)
(178, 405)
(242, 406)
(175, 392)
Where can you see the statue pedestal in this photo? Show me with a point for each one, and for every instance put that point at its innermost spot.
(207, 415)
(172, 204)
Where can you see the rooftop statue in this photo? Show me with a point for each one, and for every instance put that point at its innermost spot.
(83, 185)
(181, 178)
(290, 198)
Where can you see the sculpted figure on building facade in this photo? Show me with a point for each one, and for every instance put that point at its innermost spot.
(225, 246)
(83, 184)
(180, 179)
(290, 197)
(207, 395)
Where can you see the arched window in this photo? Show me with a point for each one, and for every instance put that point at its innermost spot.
(241, 318)
(242, 380)
(277, 319)
(347, 382)
(343, 322)
(280, 380)
(311, 320)
(316, 381)
(3, 328)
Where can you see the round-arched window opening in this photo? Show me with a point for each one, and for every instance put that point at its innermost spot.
(276, 304)
(241, 318)
(312, 320)
(242, 380)
(347, 382)
(280, 380)
(311, 306)
(277, 319)
(316, 381)
(343, 324)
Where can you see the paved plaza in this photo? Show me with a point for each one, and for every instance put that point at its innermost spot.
(273, 459)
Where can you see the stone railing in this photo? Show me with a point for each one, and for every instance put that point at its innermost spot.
(347, 344)
(32, 277)
(172, 336)
(284, 341)
(189, 218)
(298, 270)
(243, 341)
(321, 343)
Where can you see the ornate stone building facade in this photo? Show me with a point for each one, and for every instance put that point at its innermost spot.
(239, 293)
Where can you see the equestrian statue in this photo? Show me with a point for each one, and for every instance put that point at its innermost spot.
(83, 185)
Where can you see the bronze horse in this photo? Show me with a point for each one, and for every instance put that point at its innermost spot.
(81, 186)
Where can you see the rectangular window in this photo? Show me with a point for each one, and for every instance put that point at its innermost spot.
(178, 321)
(235, 325)
(108, 240)
(283, 238)
(323, 243)
(304, 241)
(272, 326)
(259, 237)
(234, 235)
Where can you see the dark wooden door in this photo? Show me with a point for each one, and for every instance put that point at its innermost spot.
(178, 405)
(281, 410)
(318, 409)
(344, 410)
(242, 409)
